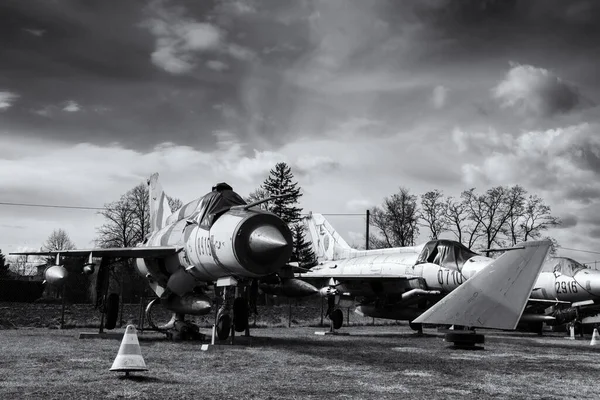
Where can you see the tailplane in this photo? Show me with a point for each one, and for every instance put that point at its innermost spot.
(327, 244)
(496, 296)
(159, 204)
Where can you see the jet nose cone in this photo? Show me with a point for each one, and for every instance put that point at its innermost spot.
(265, 243)
(56, 275)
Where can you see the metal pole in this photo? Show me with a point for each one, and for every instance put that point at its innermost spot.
(348, 317)
(367, 231)
(62, 312)
(122, 299)
(143, 301)
(106, 282)
(322, 300)
(290, 313)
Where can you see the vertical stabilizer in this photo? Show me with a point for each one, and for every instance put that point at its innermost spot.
(496, 296)
(159, 204)
(327, 243)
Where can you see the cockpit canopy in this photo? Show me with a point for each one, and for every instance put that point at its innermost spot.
(562, 265)
(209, 207)
(446, 253)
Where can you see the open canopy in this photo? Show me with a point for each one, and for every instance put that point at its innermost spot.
(446, 253)
(562, 265)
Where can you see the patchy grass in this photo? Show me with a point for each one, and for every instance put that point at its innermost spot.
(373, 362)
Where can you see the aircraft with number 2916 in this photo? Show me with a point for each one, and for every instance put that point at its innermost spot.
(217, 240)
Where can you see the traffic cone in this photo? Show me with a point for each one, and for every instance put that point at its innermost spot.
(129, 358)
(595, 338)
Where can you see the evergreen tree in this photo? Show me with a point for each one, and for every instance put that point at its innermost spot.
(3, 266)
(303, 252)
(280, 181)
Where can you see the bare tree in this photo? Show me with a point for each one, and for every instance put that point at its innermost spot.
(515, 205)
(58, 240)
(536, 218)
(259, 194)
(128, 219)
(174, 203)
(396, 221)
(119, 227)
(432, 212)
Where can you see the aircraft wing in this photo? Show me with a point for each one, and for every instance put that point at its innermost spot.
(127, 252)
(354, 273)
(496, 296)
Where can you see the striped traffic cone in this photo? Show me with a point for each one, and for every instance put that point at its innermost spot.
(595, 338)
(129, 358)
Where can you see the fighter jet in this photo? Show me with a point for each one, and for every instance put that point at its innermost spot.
(565, 292)
(401, 283)
(216, 240)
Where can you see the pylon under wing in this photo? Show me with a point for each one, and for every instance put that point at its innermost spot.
(496, 296)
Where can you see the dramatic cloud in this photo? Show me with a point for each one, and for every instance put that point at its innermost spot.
(71, 106)
(179, 38)
(7, 99)
(532, 90)
(565, 159)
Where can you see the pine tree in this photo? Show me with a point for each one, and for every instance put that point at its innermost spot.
(280, 181)
(3, 266)
(303, 252)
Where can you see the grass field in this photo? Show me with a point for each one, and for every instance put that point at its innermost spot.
(385, 362)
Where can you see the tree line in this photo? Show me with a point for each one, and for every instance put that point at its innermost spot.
(501, 215)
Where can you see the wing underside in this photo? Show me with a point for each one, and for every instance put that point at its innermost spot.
(116, 252)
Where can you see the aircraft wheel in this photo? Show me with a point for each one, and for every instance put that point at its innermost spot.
(337, 317)
(112, 311)
(416, 327)
(223, 326)
(240, 314)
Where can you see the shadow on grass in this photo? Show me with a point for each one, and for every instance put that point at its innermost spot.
(147, 379)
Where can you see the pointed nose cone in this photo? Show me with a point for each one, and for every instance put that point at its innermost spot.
(56, 275)
(266, 243)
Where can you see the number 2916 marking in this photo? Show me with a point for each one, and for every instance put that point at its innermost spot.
(565, 287)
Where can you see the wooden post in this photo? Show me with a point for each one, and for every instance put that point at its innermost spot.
(322, 300)
(122, 299)
(107, 283)
(367, 231)
(62, 312)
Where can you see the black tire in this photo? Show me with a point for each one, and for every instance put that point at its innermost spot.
(337, 317)
(465, 338)
(240, 314)
(112, 311)
(416, 327)
(223, 326)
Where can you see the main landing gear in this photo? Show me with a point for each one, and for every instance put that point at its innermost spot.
(233, 315)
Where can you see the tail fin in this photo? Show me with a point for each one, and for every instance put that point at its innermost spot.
(327, 243)
(159, 204)
(496, 296)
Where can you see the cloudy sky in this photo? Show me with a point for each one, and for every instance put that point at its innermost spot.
(359, 97)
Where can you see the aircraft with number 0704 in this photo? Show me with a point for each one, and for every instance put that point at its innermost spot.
(402, 283)
(215, 241)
